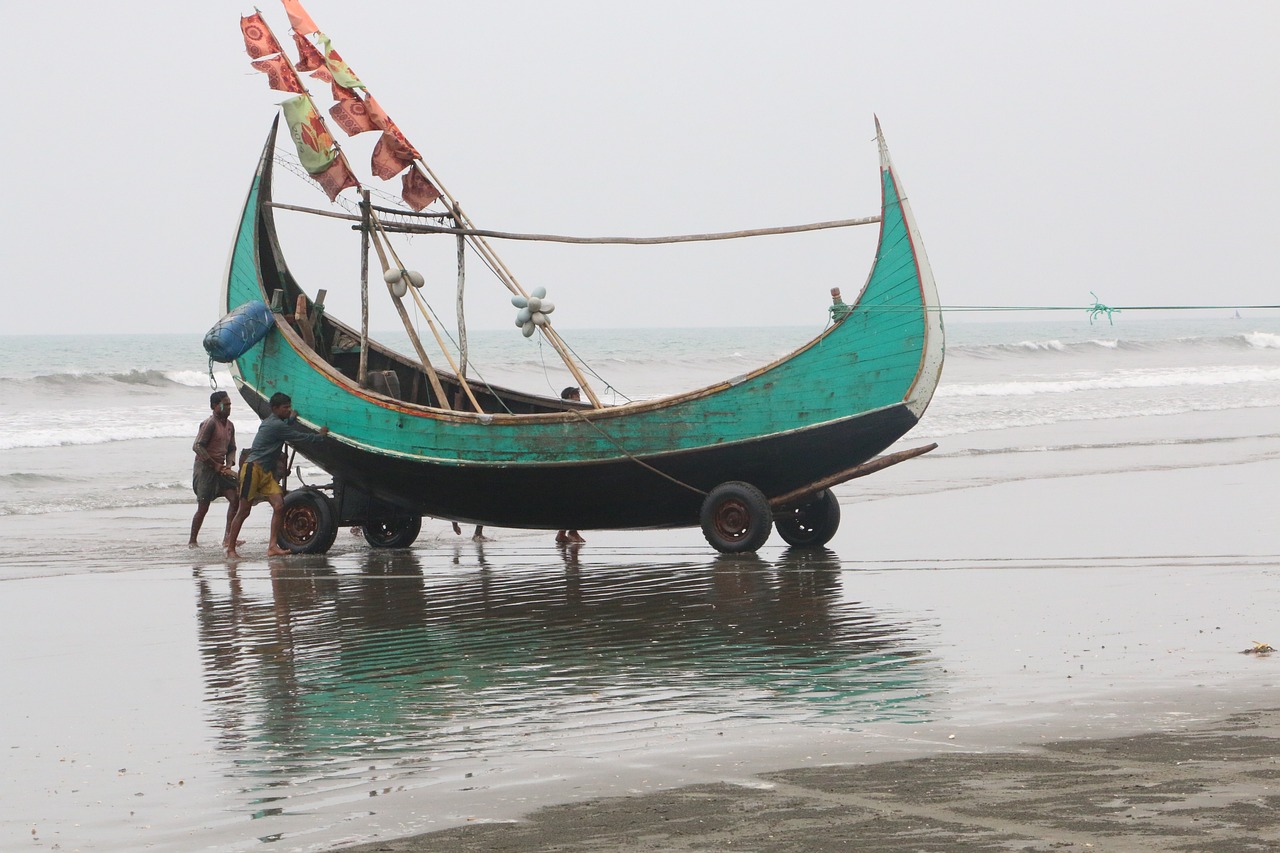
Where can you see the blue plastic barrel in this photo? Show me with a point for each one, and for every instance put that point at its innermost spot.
(236, 333)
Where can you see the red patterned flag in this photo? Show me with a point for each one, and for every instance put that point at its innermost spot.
(390, 157)
(298, 17)
(280, 74)
(258, 40)
(323, 75)
(309, 59)
(383, 122)
(416, 190)
(336, 178)
(350, 115)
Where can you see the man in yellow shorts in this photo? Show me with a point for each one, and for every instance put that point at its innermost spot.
(258, 473)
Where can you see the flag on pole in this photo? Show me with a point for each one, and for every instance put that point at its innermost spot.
(390, 157)
(340, 70)
(416, 190)
(309, 58)
(383, 122)
(258, 39)
(298, 17)
(351, 115)
(315, 144)
(336, 178)
(280, 74)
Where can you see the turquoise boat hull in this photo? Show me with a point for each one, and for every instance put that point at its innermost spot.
(833, 404)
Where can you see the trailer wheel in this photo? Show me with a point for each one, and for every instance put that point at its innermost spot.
(810, 525)
(308, 526)
(398, 532)
(736, 518)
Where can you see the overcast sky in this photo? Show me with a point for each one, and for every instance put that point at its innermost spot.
(1048, 149)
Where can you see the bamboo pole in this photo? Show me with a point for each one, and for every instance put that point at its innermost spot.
(413, 334)
(556, 341)
(362, 375)
(412, 228)
(426, 314)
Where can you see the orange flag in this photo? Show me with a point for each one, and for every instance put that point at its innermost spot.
(309, 58)
(336, 178)
(280, 74)
(390, 157)
(258, 40)
(383, 122)
(416, 190)
(298, 17)
(351, 115)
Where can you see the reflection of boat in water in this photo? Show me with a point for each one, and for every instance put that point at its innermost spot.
(322, 660)
(408, 440)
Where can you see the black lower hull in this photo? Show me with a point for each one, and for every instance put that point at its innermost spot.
(608, 495)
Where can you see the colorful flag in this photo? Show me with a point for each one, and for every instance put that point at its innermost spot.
(341, 72)
(390, 157)
(322, 74)
(298, 17)
(258, 40)
(416, 190)
(309, 59)
(315, 145)
(383, 122)
(336, 178)
(350, 115)
(280, 74)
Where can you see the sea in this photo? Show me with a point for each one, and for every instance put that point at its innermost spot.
(162, 698)
(106, 421)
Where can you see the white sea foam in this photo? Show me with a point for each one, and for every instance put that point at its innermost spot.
(1263, 340)
(1118, 380)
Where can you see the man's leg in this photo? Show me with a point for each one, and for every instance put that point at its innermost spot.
(202, 507)
(277, 519)
(233, 507)
(233, 532)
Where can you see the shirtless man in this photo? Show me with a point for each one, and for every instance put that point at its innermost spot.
(212, 477)
(258, 474)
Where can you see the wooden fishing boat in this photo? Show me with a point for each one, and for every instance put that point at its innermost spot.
(733, 457)
(407, 440)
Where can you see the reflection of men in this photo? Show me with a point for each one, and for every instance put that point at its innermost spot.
(258, 474)
(212, 477)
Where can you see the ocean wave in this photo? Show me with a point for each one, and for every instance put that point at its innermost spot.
(77, 380)
(18, 479)
(1119, 380)
(1048, 347)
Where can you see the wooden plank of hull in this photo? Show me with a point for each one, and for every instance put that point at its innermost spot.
(830, 405)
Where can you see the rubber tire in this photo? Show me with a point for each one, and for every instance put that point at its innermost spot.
(736, 518)
(810, 525)
(308, 525)
(393, 532)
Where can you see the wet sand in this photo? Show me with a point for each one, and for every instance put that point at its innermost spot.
(984, 614)
(1212, 788)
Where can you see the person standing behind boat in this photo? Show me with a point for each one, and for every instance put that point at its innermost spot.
(564, 537)
(212, 477)
(258, 474)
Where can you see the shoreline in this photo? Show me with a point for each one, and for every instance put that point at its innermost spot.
(1199, 787)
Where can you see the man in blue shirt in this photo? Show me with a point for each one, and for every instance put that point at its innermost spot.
(258, 473)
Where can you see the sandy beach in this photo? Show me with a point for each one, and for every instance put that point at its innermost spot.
(979, 617)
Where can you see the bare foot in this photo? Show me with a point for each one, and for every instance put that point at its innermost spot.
(239, 542)
(562, 538)
(575, 536)
(231, 554)
(275, 551)
(480, 537)
(193, 544)
(457, 529)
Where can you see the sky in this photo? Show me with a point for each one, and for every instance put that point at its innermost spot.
(1049, 149)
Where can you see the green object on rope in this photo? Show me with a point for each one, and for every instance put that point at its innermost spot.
(1098, 309)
